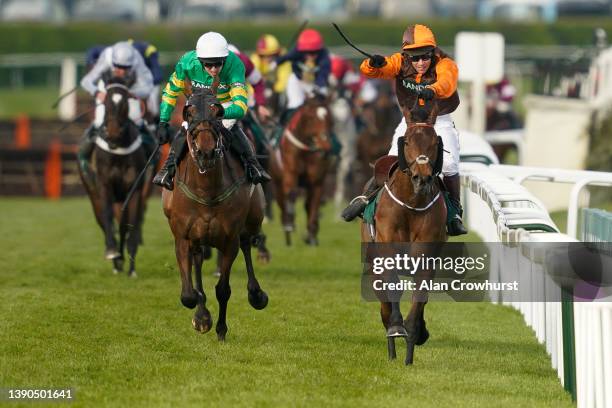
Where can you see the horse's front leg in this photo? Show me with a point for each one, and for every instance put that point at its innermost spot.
(133, 230)
(416, 329)
(109, 228)
(313, 203)
(290, 196)
(189, 297)
(257, 297)
(202, 320)
(223, 289)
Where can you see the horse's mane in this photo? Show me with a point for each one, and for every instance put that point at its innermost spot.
(419, 114)
(202, 98)
(425, 113)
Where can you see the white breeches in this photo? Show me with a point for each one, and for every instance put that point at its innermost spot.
(296, 91)
(445, 128)
(134, 110)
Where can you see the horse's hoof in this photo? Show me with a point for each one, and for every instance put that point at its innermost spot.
(202, 325)
(423, 337)
(263, 257)
(111, 254)
(221, 337)
(312, 241)
(397, 331)
(189, 302)
(117, 265)
(132, 274)
(258, 299)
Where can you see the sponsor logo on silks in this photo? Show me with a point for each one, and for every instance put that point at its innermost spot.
(413, 86)
(201, 85)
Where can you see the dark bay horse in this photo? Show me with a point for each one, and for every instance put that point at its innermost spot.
(411, 209)
(118, 158)
(213, 205)
(303, 159)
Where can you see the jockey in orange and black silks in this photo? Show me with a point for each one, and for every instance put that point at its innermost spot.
(423, 70)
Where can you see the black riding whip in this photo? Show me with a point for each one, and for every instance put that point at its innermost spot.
(349, 42)
(63, 96)
(296, 34)
(133, 188)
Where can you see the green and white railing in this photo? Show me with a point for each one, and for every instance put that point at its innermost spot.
(576, 335)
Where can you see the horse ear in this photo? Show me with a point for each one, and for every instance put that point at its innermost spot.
(188, 88)
(215, 84)
(407, 115)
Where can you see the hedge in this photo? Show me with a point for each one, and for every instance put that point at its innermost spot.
(76, 37)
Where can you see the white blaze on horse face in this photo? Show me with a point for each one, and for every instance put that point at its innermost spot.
(321, 113)
(422, 159)
(117, 98)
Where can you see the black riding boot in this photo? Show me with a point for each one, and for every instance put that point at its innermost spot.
(87, 143)
(86, 148)
(359, 203)
(453, 184)
(241, 146)
(165, 176)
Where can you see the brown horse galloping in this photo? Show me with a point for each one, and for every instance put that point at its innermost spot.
(214, 205)
(119, 157)
(303, 159)
(411, 208)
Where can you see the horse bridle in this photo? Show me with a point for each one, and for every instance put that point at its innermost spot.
(421, 158)
(124, 126)
(204, 162)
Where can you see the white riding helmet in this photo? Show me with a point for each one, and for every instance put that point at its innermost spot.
(212, 46)
(123, 54)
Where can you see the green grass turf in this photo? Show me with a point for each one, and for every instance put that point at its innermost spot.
(66, 321)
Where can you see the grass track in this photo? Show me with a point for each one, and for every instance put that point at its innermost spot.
(66, 321)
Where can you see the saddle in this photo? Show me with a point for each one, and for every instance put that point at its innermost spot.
(384, 168)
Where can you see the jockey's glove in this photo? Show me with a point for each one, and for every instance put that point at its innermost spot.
(377, 61)
(163, 133)
(427, 93)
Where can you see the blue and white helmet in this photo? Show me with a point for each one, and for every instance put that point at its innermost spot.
(123, 55)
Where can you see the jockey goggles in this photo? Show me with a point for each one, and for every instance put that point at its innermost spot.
(126, 67)
(211, 63)
(417, 58)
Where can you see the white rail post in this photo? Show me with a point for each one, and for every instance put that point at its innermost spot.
(67, 106)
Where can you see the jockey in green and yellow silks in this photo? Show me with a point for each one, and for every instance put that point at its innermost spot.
(210, 59)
